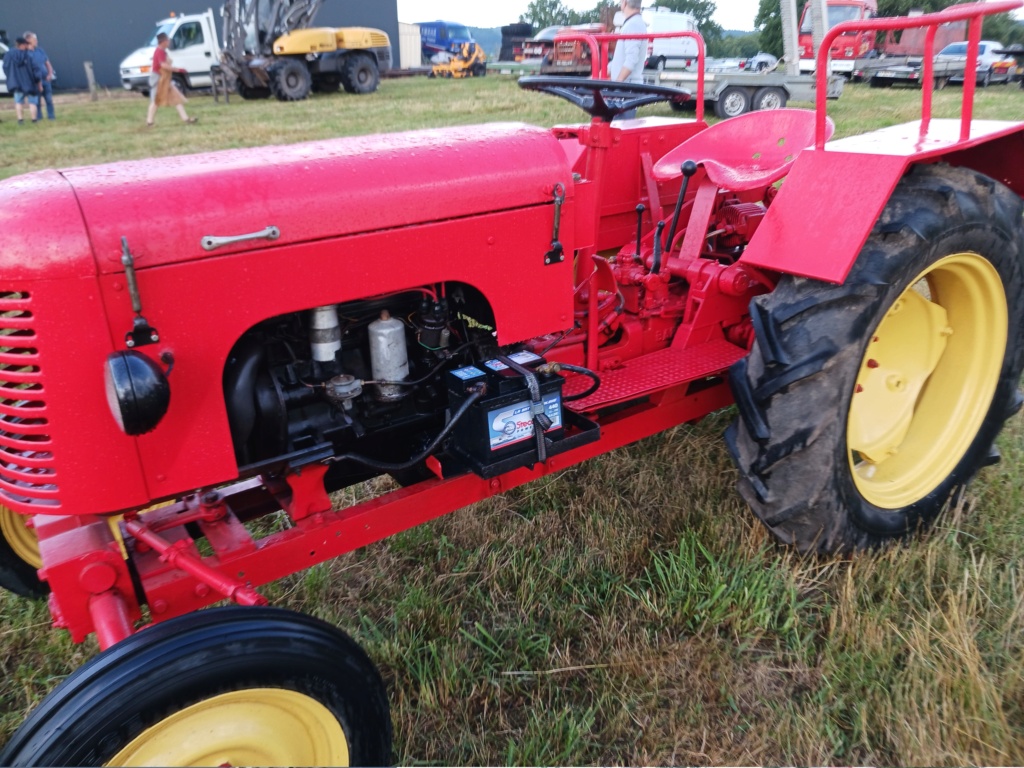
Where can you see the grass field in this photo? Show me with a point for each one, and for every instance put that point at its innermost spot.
(629, 610)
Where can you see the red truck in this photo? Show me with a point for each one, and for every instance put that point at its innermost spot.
(193, 344)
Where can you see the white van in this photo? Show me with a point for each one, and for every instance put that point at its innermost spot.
(194, 49)
(3, 77)
(670, 52)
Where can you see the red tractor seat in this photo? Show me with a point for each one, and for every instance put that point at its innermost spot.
(748, 151)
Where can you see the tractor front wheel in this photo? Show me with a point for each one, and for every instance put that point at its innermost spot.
(229, 686)
(865, 408)
(359, 73)
(19, 556)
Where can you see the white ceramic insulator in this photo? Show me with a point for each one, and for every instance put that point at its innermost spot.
(324, 333)
(389, 356)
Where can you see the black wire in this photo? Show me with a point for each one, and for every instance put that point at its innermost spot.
(475, 394)
(585, 372)
(429, 375)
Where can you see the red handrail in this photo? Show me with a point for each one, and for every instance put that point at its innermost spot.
(971, 12)
(599, 44)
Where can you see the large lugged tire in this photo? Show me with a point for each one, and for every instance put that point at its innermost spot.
(229, 686)
(865, 407)
(359, 73)
(19, 556)
(290, 80)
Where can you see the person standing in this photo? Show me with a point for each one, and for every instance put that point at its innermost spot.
(23, 80)
(162, 90)
(627, 64)
(42, 62)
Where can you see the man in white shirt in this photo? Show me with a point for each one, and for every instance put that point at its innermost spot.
(627, 64)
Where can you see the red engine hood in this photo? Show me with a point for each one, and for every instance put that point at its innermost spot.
(313, 191)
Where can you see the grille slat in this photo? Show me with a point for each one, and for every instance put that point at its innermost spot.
(27, 472)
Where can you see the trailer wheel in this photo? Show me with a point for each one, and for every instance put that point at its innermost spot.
(732, 102)
(359, 73)
(19, 556)
(290, 80)
(228, 686)
(986, 81)
(770, 98)
(866, 407)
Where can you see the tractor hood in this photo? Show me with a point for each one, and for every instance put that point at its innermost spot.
(165, 207)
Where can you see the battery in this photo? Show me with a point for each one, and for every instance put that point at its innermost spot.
(500, 424)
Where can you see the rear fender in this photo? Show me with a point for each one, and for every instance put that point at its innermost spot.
(830, 201)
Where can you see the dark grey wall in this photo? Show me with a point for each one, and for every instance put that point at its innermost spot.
(105, 31)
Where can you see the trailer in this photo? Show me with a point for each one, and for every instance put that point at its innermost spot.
(736, 93)
(908, 70)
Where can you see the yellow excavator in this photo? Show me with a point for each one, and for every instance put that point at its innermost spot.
(470, 61)
(271, 47)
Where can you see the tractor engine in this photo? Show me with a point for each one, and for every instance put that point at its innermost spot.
(365, 379)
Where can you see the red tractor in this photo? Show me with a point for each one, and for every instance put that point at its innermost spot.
(173, 372)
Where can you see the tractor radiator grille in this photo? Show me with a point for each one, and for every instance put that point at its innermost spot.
(378, 40)
(28, 479)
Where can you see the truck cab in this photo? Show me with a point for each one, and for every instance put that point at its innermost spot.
(194, 50)
(847, 48)
(443, 37)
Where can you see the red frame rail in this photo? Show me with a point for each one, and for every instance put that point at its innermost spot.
(599, 60)
(973, 13)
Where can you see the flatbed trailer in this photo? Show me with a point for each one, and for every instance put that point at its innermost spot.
(907, 70)
(735, 93)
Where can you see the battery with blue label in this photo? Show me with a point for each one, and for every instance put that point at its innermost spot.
(500, 425)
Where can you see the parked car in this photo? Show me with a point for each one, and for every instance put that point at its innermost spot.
(992, 67)
(671, 52)
(761, 62)
(443, 37)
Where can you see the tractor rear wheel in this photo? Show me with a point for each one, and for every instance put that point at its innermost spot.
(290, 80)
(359, 73)
(228, 686)
(19, 556)
(866, 407)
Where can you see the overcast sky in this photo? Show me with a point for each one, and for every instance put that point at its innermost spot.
(732, 14)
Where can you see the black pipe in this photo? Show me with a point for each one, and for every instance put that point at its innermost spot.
(639, 231)
(656, 263)
(585, 372)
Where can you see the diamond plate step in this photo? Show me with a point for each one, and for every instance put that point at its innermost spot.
(653, 373)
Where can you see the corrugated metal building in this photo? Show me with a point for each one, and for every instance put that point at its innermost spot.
(105, 31)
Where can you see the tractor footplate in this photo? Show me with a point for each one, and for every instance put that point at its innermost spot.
(652, 373)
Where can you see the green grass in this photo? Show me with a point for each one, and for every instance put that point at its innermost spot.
(628, 610)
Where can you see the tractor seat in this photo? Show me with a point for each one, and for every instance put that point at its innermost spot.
(748, 151)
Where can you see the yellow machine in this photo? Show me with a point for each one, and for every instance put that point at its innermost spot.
(470, 61)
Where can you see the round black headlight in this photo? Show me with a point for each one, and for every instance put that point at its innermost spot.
(137, 392)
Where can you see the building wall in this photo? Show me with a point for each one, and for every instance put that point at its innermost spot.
(106, 31)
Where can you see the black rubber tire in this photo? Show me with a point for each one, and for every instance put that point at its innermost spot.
(114, 697)
(16, 574)
(252, 94)
(732, 102)
(359, 73)
(794, 390)
(290, 80)
(182, 83)
(986, 81)
(770, 98)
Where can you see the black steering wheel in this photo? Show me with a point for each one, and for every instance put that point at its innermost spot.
(603, 99)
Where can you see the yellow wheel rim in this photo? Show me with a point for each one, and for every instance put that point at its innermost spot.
(257, 726)
(20, 537)
(927, 380)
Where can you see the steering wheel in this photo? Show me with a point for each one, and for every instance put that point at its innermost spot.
(603, 99)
